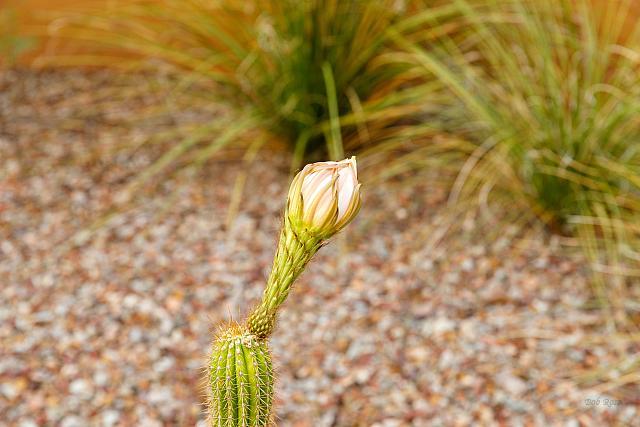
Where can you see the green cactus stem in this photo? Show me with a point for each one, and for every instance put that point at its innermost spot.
(295, 248)
(240, 379)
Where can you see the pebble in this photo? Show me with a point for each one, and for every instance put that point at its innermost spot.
(73, 421)
(511, 383)
(80, 387)
(110, 418)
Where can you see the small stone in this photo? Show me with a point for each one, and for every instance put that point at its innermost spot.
(110, 418)
(512, 384)
(80, 387)
(438, 326)
(418, 354)
(73, 421)
(572, 423)
(101, 378)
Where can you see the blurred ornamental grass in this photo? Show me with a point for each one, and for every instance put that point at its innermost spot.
(318, 75)
(547, 119)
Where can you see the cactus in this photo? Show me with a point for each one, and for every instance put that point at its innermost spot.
(241, 379)
(322, 199)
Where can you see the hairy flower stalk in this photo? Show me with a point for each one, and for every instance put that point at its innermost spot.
(295, 249)
(323, 198)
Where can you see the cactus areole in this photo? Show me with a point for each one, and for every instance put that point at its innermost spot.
(323, 198)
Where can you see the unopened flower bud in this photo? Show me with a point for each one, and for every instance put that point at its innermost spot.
(324, 196)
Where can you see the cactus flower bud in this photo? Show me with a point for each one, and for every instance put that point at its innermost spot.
(324, 197)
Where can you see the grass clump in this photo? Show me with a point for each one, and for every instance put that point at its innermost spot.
(548, 94)
(310, 73)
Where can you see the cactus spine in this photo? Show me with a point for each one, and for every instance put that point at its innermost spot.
(322, 199)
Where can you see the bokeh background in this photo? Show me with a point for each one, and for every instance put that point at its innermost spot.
(491, 277)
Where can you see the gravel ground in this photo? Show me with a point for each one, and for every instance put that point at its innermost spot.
(382, 329)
